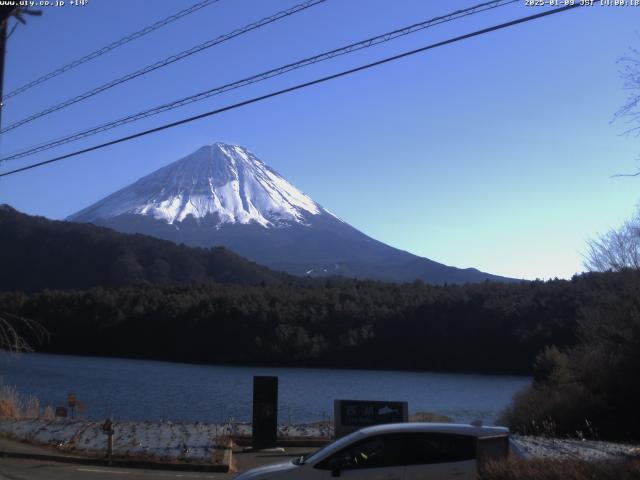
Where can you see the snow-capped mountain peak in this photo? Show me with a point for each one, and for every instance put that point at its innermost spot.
(219, 179)
(222, 195)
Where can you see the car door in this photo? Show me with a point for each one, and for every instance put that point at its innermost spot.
(373, 458)
(439, 456)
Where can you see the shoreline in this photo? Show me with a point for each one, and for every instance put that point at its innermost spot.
(282, 366)
(158, 441)
(202, 443)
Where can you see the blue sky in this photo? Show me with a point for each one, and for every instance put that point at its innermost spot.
(495, 152)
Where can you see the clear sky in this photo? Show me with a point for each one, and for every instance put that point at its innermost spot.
(494, 153)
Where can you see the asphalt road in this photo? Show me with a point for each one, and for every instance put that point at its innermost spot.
(19, 469)
(22, 469)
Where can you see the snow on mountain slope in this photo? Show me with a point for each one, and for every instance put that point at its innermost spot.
(219, 179)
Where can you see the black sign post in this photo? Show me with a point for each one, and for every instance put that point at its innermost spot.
(265, 412)
(72, 402)
(352, 415)
(108, 430)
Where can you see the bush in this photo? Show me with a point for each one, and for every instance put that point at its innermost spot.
(15, 406)
(552, 411)
(430, 417)
(592, 388)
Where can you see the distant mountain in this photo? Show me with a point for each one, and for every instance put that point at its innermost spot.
(36, 253)
(223, 195)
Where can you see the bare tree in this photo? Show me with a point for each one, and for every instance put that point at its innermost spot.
(617, 249)
(630, 75)
(17, 334)
(630, 112)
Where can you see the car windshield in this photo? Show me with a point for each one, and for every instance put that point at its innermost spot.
(332, 447)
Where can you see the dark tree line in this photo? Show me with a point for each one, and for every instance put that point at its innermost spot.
(489, 327)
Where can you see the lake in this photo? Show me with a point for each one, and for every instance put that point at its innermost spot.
(151, 390)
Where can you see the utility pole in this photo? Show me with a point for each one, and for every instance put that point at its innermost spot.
(5, 13)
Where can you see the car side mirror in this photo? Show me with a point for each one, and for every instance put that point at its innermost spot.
(335, 467)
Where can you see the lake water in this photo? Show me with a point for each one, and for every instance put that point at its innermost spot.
(150, 390)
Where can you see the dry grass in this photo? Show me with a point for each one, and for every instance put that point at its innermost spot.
(13, 405)
(565, 469)
(48, 413)
(9, 402)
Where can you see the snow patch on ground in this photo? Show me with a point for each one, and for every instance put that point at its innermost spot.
(574, 448)
(299, 431)
(197, 442)
(165, 441)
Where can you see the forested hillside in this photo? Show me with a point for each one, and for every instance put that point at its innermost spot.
(37, 253)
(488, 327)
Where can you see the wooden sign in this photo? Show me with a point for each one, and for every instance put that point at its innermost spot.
(491, 449)
(61, 412)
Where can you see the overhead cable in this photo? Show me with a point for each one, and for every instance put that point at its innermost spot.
(112, 46)
(369, 42)
(296, 87)
(164, 62)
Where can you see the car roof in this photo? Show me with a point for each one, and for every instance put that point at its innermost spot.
(461, 429)
(452, 428)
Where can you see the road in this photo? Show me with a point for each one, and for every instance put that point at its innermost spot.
(22, 469)
(19, 469)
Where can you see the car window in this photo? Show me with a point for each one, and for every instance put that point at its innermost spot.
(374, 452)
(335, 446)
(425, 448)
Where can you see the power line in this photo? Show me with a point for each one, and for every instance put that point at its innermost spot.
(369, 42)
(297, 87)
(112, 46)
(167, 61)
(13, 29)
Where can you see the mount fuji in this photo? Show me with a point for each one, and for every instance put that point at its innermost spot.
(223, 195)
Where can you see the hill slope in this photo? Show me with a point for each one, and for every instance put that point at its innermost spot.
(37, 253)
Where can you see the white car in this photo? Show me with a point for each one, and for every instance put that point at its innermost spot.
(399, 451)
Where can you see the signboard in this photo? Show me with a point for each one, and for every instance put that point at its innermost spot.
(490, 449)
(265, 412)
(61, 412)
(352, 415)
